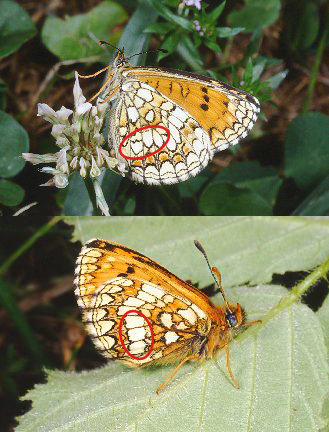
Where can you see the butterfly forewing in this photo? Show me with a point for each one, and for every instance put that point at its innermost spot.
(112, 280)
(202, 115)
(226, 113)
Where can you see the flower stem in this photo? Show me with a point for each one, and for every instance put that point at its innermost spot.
(316, 64)
(92, 196)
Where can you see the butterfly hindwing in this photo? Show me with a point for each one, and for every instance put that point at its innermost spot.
(110, 283)
(187, 151)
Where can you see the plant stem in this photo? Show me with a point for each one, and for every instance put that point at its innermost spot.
(297, 292)
(294, 295)
(316, 65)
(92, 196)
(26, 245)
(17, 316)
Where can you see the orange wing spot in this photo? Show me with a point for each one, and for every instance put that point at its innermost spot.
(150, 160)
(186, 132)
(163, 157)
(186, 149)
(178, 158)
(137, 163)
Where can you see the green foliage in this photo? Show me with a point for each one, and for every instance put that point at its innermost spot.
(241, 189)
(76, 37)
(316, 203)
(226, 199)
(256, 14)
(276, 362)
(190, 25)
(16, 27)
(11, 194)
(303, 28)
(13, 142)
(202, 40)
(306, 149)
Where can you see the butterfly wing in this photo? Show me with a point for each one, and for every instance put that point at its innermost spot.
(112, 280)
(226, 113)
(187, 152)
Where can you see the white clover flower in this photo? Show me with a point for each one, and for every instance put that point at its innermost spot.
(195, 3)
(80, 141)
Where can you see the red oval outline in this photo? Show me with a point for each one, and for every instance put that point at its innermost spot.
(149, 154)
(121, 338)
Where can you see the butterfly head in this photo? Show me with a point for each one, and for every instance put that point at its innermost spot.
(120, 59)
(235, 316)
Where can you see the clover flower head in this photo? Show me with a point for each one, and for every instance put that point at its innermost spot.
(80, 141)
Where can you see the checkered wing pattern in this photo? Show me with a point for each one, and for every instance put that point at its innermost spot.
(187, 151)
(112, 280)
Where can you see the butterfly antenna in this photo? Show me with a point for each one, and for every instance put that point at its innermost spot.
(101, 42)
(145, 52)
(214, 271)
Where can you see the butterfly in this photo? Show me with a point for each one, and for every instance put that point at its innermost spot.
(185, 118)
(141, 314)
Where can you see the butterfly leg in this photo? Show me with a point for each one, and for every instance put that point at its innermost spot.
(171, 376)
(251, 323)
(94, 74)
(228, 365)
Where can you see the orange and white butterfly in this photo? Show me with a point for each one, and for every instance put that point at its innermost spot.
(203, 116)
(141, 314)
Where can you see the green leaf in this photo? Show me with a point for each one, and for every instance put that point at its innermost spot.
(14, 141)
(306, 149)
(272, 245)
(316, 203)
(189, 53)
(11, 194)
(276, 364)
(256, 14)
(275, 80)
(248, 73)
(193, 186)
(215, 13)
(159, 28)
(225, 32)
(302, 28)
(77, 201)
(169, 44)
(263, 180)
(224, 199)
(76, 37)
(16, 27)
(166, 13)
(212, 45)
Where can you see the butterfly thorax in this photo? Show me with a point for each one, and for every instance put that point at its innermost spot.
(226, 324)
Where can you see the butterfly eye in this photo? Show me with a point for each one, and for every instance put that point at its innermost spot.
(231, 319)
